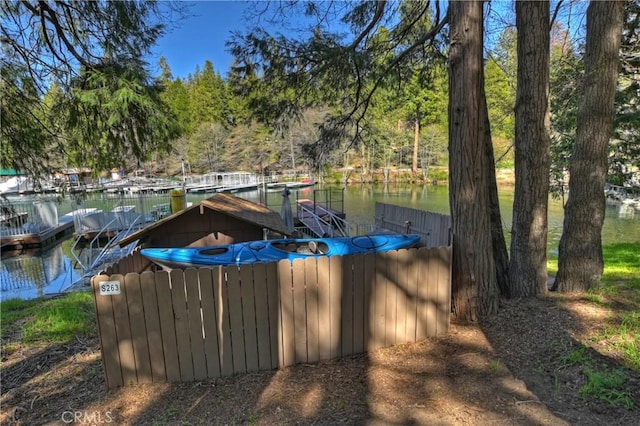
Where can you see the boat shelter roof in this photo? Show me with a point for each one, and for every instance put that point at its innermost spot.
(227, 204)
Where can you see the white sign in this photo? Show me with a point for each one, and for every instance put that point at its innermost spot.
(109, 288)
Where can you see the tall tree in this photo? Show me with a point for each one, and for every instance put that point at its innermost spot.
(348, 75)
(24, 135)
(207, 96)
(624, 158)
(498, 243)
(528, 265)
(500, 82)
(114, 112)
(565, 77)
(474, 283)
(55, 42)
(580, 262)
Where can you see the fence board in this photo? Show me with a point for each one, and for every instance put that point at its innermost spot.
(138, 328)
(346, 308)
(123, 332)
(369, 302)
(392, 314)
(402, 295)
(194, 315)
(223, 320)
(335, 293)
(422, 285)
(273, 298)
(152, 321)
(378, 302)
(430, 313)
(136, 262)
(412, 282)
(263, 340)
(181, 318)
(128, 265)
(235, 319)
(324, 310)
(434, 228)
(107, 332)
(313, 320)
(443, 298)
(287, 331)
(167, 326)
(249, 317)
(207, 303)
(299, 311)
(359, 303)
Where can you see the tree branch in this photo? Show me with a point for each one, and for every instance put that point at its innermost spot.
(380, 6)
(61, 35)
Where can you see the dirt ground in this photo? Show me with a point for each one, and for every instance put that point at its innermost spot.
(511, 370)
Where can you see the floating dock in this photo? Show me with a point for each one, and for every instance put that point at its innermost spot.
(43, 238)
(321, 219)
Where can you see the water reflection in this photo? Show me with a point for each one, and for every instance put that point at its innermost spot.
(39, 273)
(35, 273)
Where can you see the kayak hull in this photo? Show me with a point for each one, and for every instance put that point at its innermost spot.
(263, 251)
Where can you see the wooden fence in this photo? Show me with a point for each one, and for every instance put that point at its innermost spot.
(434, 228)
(211, 322)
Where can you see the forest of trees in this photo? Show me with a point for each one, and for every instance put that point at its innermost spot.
(217, 123)
(403, 85)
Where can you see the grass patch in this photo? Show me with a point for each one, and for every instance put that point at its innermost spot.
(621, 288)
(620, 293)
(552, 265)
(53, 320)
(621, 261)
(607, 386)
(579, 356)
(13, 310)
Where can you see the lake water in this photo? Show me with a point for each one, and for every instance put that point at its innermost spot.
(37, 273)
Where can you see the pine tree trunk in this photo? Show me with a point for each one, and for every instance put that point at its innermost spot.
(474, 289)
(580, 263)
(416, 146)
(528, 267)
(500, 253)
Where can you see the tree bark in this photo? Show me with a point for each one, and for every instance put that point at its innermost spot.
(416, 145)
(474, 288)
(580, 263)
(500, 253)
(528, 267)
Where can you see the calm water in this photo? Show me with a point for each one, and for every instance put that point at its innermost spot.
(38, 273)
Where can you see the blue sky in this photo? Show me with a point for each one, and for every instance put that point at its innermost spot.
(201, 36)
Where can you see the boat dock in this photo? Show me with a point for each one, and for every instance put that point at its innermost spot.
(322, 216)
(223, 182)
(317, 218)
(27, 224)
(20, 239)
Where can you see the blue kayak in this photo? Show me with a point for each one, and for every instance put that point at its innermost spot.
(275, 250)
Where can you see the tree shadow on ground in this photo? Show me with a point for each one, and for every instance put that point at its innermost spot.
(539, 339)
(40, 383)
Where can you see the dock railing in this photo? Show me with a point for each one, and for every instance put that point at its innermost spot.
(27, 217)
(323, 223)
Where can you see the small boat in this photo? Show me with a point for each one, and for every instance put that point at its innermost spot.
(275, 250)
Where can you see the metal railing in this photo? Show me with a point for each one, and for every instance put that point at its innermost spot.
(329, 224)
(27, 217)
